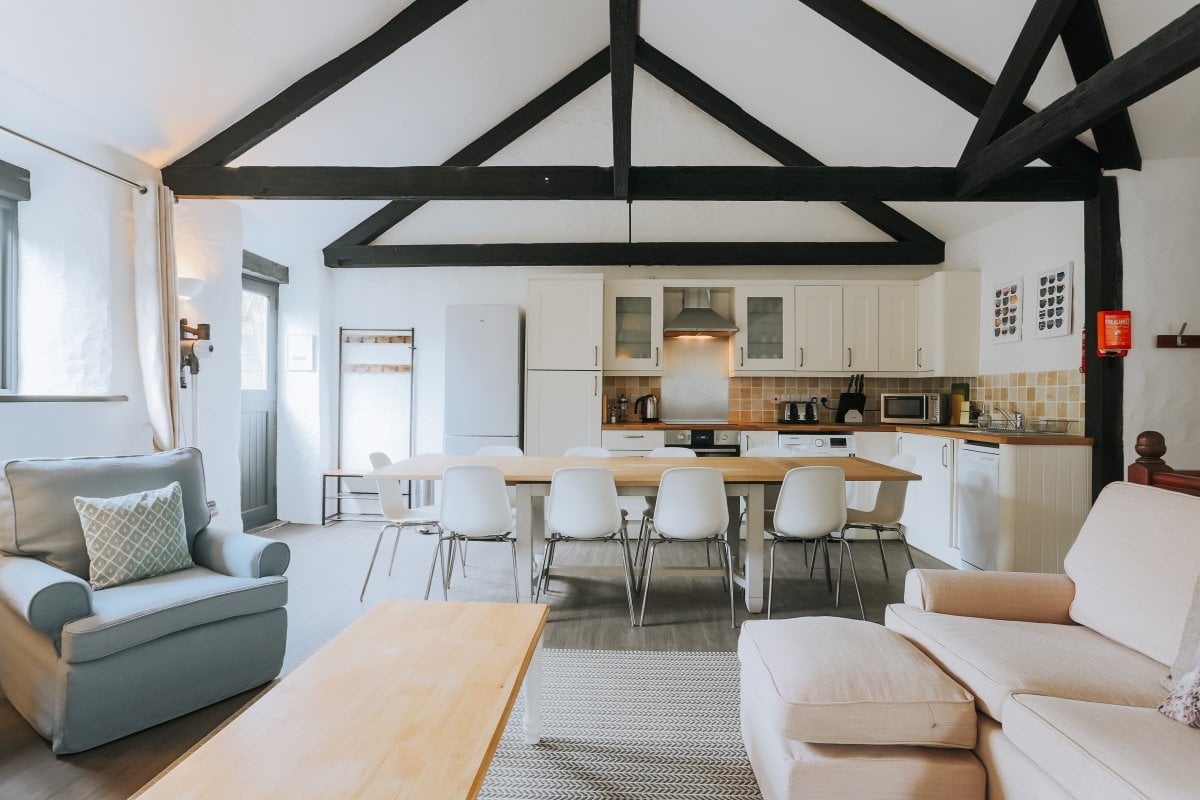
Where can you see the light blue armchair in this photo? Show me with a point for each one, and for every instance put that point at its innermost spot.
(85, 667)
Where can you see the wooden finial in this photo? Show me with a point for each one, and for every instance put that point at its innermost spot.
(1150, 447)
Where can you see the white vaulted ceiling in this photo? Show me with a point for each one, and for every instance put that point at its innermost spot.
(155, 79)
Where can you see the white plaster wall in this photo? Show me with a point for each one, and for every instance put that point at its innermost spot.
(208, 244)
(1043, 237)
(1160, 233)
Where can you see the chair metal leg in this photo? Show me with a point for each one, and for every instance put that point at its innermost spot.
(907, 552)
(462, 557)
(543, 576)
(882, 557)
(628, 563)
(395, 546)
(437, 558)
(724, 562)
(854, 576)
(812, 566)
(804, 547)
(448, 568)
(771, 574)
(649, 567)
(828, 574)
(707, 553)
(837, 593)
(371, 566)
(729, 568)
(516, 580)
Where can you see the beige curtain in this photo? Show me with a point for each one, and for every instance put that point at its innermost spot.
(157, 313)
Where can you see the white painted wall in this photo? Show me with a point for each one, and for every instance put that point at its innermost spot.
(1043, 237)
(1160, 233)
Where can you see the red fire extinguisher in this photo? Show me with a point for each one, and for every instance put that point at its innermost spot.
(1114, 333)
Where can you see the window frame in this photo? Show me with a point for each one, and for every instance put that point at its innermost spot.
(8, 295)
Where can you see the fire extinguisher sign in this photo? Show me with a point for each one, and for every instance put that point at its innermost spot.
(1114, 333)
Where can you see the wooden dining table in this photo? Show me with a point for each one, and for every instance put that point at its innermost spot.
(745, 477)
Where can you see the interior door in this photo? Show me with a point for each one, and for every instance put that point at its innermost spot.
(260, 308)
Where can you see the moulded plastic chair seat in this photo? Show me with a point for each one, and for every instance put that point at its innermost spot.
(475, 508)
(500, 450)
(586, 451)
(648, 511)
(887, 511)
(812, 507)
(691, 508)
(583, 506)
(398, 515)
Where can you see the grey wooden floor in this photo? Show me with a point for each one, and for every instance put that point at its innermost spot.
(328, 566)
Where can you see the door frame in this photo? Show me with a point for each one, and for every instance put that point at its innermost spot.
(270, 290)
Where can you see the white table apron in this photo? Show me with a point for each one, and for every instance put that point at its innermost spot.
(531, 536)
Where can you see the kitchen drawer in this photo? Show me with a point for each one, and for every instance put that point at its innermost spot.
(620, 440)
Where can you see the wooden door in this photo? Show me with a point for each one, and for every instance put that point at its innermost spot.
(260, 308)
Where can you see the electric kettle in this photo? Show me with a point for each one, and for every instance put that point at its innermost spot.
(647, 406)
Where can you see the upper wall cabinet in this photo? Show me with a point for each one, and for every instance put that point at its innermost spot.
(897, 328)
(564, 323)
(819, 328)
(766, 318)
(633, 327)
(948, 324)
(860, 328)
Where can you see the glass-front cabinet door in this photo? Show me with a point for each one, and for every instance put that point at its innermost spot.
(633, 327)
(766, 337)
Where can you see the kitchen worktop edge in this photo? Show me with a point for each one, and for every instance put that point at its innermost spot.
(828, 428)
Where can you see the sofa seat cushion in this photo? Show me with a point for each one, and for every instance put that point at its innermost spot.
(1102, 750)
(838, 681)
(995, 659)
(134, 613)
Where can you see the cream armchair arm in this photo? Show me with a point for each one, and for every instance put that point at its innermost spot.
(1021, 596)
(240, 554)
(44, 596)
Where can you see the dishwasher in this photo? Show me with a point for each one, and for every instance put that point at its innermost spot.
(978, 477)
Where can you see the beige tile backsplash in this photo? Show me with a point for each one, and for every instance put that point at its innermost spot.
(1053, 394)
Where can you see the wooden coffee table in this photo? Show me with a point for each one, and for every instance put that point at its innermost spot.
(408, 702)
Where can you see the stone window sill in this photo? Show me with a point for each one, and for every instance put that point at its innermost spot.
(63, 398)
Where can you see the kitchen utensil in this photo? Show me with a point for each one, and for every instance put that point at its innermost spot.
(853, 399)
(647, 406)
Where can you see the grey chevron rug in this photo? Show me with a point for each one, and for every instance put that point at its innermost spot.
(626, 725)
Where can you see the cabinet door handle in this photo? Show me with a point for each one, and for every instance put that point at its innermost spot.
(919, 364)
(633, 436)
(596, 356)
(657, 352)
(849, 357)
(742, 357)
(899, 444)
(595, 386)
(802, 356)
(945, 455)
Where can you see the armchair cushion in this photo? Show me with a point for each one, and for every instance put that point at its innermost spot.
(1023, 596)
(240, 554)
(129, 615)
(134, 536)
(45, 597)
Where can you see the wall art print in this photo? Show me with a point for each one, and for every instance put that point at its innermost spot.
(1007, 299)
(1054, 298)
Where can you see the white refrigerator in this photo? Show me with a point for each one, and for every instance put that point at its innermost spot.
(483, 377)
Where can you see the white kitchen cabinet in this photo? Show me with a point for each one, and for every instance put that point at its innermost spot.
(897, 328)
(766, 318)
(751, 439)
(633, 327)
(860, 328)
(819, 328)
(564, 323)
(948, 323)
(632, 442)
(562, 409)
(929, 512)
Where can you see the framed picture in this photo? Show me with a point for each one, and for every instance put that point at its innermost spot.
(1054, 298)
(1007, 299)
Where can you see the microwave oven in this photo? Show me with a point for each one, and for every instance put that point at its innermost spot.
(911, 409)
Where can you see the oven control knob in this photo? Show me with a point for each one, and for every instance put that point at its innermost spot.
(818, 442)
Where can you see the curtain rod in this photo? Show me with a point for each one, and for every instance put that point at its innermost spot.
(134, 184)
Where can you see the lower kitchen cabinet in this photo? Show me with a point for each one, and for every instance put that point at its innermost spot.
(562, 409)
(632, 442)
(929, 514)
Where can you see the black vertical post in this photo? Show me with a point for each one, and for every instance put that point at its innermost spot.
(1105, 381)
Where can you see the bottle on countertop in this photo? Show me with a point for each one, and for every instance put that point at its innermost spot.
(622, 408)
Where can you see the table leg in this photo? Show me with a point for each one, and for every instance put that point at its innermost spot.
(533, 697)
(525, 565)
(734, 531)
(754, 548)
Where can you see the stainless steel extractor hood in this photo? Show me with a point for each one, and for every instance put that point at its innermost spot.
(697, 318)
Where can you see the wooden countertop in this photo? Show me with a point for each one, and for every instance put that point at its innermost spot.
(951, 432)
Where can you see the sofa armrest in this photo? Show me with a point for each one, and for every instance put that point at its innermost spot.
(239, 554)
(1021, 596)
(44, 596)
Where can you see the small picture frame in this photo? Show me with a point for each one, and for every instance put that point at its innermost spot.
(299, 352)
(1007, 302)
(1053, 299)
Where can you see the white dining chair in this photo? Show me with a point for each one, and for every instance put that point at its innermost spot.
(691, 508)
(583, 506)
(586, 451)
(812, 508)
(500, 450)
(474, 509)
(770, 491)
(886, 513)
(399, 516)
(643, 540)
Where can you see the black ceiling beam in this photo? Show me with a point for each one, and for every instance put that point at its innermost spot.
(489, 144)
(777, 146)
(935, 69)
(319, 84)
(1164, 57)
(623, 24)
(1039, 33)
(1086, 42)
(703, 183)
(595, 254)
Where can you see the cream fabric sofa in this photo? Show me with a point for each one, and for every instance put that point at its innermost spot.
(1067, 670)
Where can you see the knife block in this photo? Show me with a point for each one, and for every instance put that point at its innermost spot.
(850, 401)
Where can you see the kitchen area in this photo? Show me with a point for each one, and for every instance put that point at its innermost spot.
(869, 369)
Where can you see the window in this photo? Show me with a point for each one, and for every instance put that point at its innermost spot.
(8, 294)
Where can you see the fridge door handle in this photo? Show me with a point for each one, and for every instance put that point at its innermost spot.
(595, 386)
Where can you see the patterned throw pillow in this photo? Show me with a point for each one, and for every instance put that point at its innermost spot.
(135, 536)
(1183, 704)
